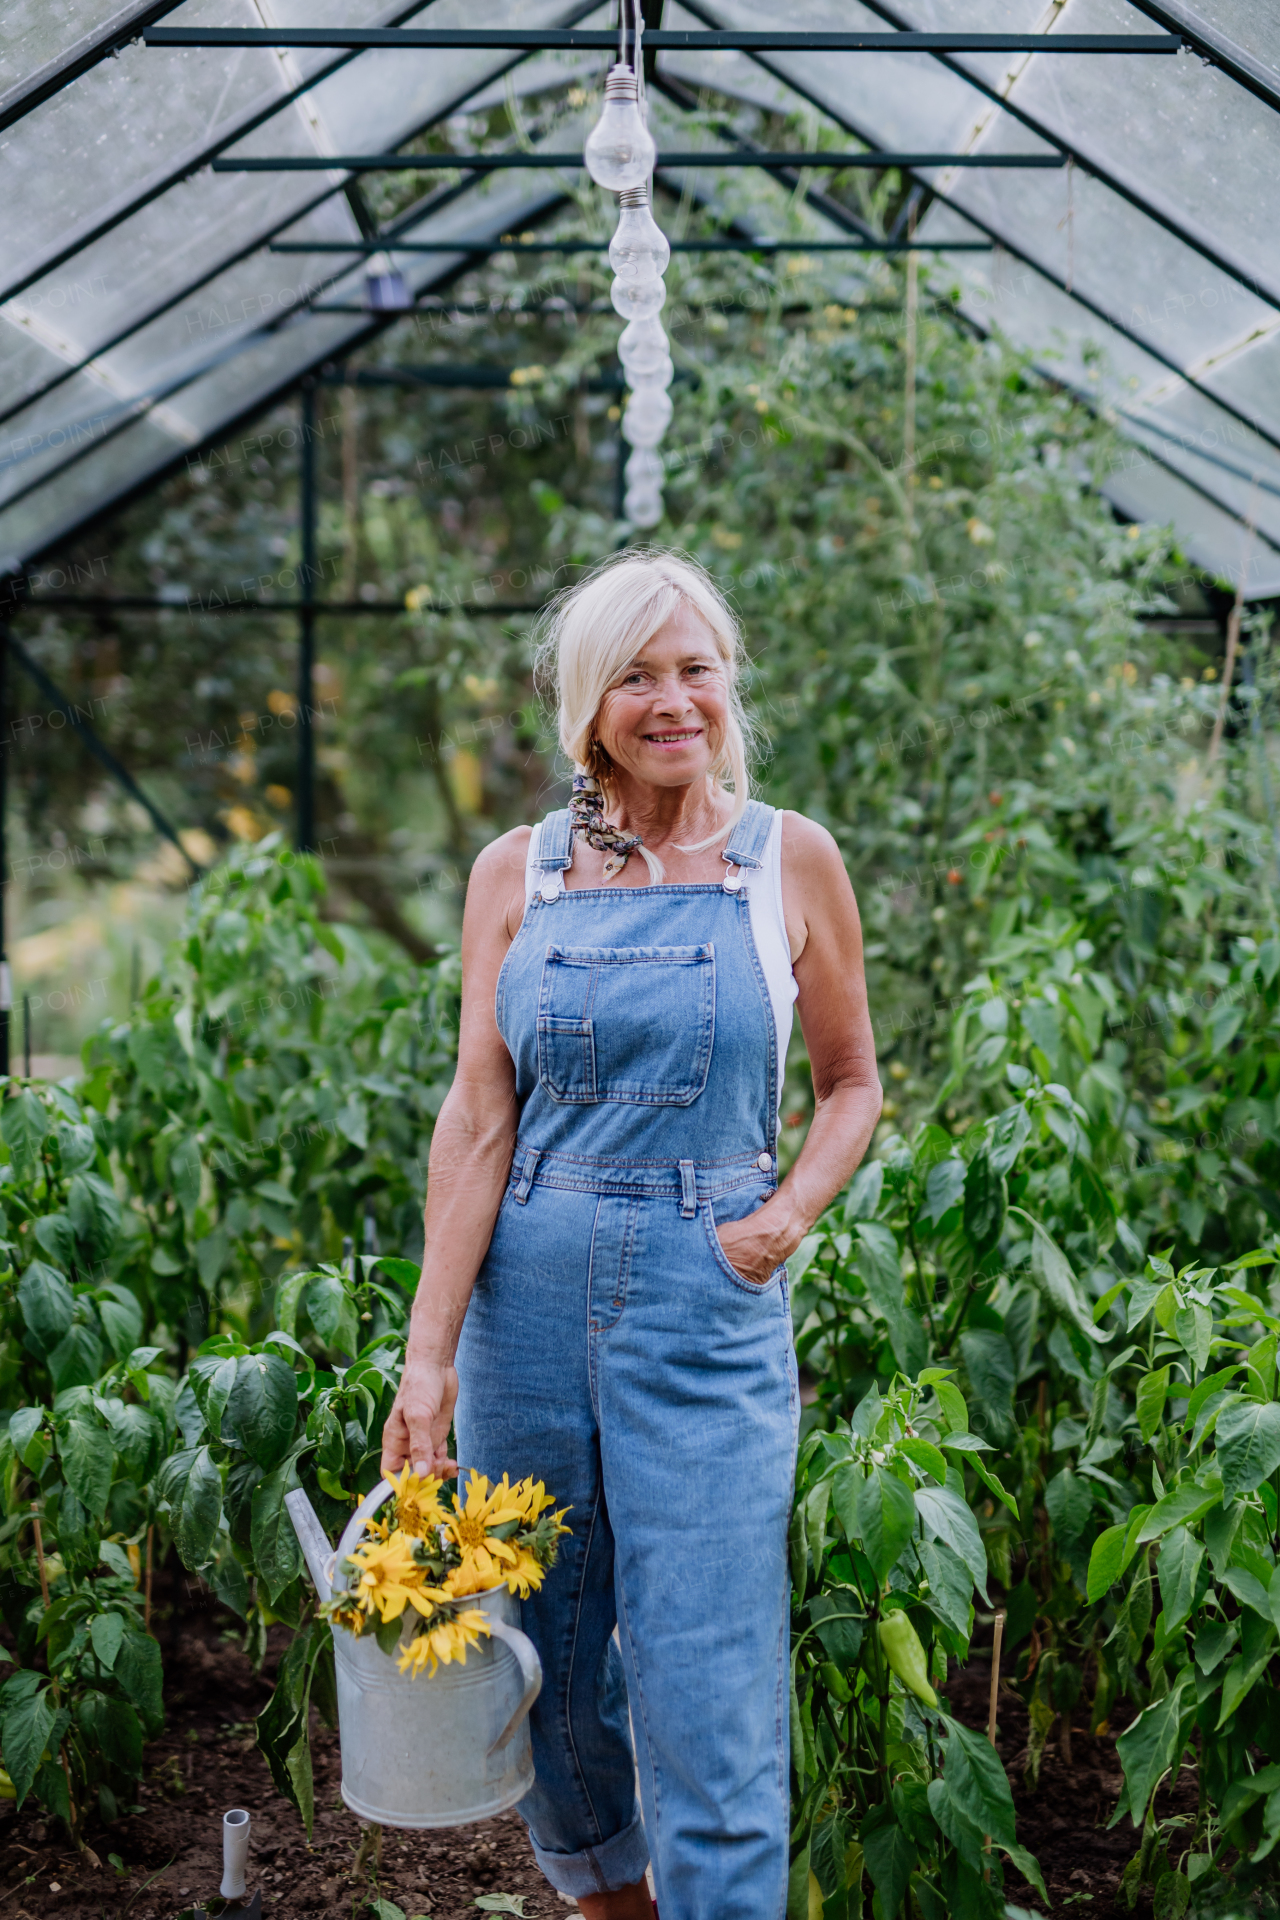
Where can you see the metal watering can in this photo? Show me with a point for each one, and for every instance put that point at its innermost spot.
(436, 1752)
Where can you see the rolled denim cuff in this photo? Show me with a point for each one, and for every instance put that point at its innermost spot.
(616, 1863)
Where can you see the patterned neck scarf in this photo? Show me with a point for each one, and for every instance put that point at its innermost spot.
(586, 810)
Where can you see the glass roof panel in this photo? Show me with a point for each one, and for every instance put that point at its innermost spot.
(1201, 149)
(40, 38)
(1211, 537)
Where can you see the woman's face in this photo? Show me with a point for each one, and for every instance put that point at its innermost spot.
(663, 720)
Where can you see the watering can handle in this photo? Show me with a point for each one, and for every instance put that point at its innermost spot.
(531, 1672)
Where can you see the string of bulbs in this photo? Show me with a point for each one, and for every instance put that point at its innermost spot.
(619, 155)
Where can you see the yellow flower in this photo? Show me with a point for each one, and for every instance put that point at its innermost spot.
(482, 1567)
(448, 1641)
(526, 1576)
(418, 1506)
(387, 1574)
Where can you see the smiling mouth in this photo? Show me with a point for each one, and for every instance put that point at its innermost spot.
(674, 739)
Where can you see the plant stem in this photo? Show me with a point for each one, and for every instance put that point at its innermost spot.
(44, 1577)
(146, 1604)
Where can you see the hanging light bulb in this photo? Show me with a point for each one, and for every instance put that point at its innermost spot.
(642, 506)
(620, 152)
(643, 350)
(638, 299)
(638, 250)
(647, 417)
(644, 468)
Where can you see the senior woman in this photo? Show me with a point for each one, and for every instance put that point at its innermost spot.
(603, 1292)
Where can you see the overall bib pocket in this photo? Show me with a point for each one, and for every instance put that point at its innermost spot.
(631, 1024)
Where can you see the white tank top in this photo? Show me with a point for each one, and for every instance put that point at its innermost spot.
(763, 888)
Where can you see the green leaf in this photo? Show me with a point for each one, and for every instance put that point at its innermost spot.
(839, 1627)
(139, 1674)
(955, 1412)
(923, 1454)
(1180, 1508)
(94, 1211)
(332, 1313)
(993, 1374)
(1178, 1568)
(1149, 1747)
(121, 1318)
(1052, 1270)
(1008, 1133)
(76, 1361)
(185, 1175)
(196, 1525)
(945, 1515)
(298, 1765)
(114, 1729)
(1069, 1503)
(888, 1857)
(23, 1126)
(1153, 1391)
(1245, 1671)
(408, 1273)
(1028, 1866)
(106, 1631)
(950, 1594)
(27, 1722)
(24, 1425)
(976, 1782)
(943, 1189)
(47, 1303)
(1106, 1561)
(1248, 1445)
(500, 1903)
(985, 1200)
(886, 1515)
(263, 1406)
(86, 1464)
(276, 1553)
(57, 1237)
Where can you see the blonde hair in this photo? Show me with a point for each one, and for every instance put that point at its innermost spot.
(590, 634)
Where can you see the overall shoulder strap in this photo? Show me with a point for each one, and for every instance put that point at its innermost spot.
(749, 838)
(553, 853)
(555, 843)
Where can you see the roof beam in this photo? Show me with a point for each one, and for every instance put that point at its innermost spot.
(696, 157)
(49, 82)
(663, 39)
(1210, 51)
(797, 244)
(1231, 268)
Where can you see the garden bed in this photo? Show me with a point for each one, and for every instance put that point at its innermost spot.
(206, 1761)
(169, 1852)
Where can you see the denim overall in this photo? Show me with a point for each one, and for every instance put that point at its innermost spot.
(611, 1350)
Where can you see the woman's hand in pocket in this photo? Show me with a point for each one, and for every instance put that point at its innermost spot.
(750, 1247)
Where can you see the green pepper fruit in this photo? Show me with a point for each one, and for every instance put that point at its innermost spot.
(834, 1680)
(903, 1651)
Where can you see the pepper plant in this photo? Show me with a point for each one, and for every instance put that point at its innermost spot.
(885, 1559)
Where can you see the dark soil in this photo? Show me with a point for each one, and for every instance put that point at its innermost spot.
(170, 1854)
(1064, 1822)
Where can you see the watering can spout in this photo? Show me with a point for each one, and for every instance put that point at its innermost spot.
(312, 1538)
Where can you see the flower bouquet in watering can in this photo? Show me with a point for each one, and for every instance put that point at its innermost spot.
(434, 1677)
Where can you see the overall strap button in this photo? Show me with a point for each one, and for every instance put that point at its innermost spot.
(765, 1162)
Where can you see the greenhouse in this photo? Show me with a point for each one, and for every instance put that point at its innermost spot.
(647, 628)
